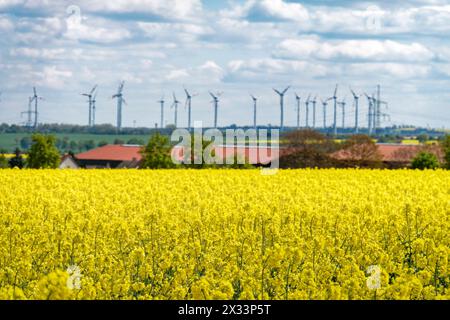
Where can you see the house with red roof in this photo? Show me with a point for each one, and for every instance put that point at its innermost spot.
(106, 157)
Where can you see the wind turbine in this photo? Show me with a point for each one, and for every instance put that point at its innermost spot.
(325, 104)
(89, 95)
(35, 99)
(255, 102)
(189, 105)
(94, 101)
(161, 102)
(334, 98)
(216, 105)
(314, 111)
(307, 110)
(297, 97)
(120, 101)
(356, 101)
(370, 115)
(29, 113)
(281, 94)
(175, 105)
(342, 104)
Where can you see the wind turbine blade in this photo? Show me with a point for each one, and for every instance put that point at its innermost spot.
(212, 95)
(278, 92)
(336, 90)
(34, 90)
(93, 89)
(285, 90)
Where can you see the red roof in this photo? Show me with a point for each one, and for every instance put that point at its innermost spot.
(112, 153)
(394, 152)
(397, 152)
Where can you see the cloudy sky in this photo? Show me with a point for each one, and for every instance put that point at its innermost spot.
(236, 47)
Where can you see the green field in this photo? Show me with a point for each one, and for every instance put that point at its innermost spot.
(9, 141)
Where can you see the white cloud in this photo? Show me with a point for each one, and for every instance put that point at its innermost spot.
(53, 77)
(165, 9)
(34, 53)
(177, 74)
(267, 67)
(102, 32)
(6, 25)
(370, 50)
(269, 9)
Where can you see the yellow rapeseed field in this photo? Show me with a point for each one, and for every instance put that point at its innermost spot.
(224, 234)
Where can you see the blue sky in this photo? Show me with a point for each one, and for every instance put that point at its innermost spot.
(235, 47)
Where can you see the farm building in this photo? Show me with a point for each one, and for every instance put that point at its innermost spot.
(109, 156)
(396, 155)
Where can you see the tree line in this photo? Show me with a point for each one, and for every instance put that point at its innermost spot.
(302, 149)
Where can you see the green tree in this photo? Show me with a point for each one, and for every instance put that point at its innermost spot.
(422, 138)
(425, 160)
(3, 161)
(446, 147)
(25, 143)
(119, 141)
(102, 143)
(17, 160)
(156, 154)
(43, 154)
(135, 141)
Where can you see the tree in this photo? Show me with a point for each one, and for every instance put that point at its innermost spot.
(445, 144)
(135, 141)
(17, 160)
(102, 143)
(307, 149)
(3, 161)
(43, 154)
(423, 138)
(425, 160)
(361, 150)
(25, 143)
(119, 141)
(156, 154)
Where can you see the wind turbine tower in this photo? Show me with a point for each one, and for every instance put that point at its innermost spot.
(188, 104)
(161, 102)
(370, 114)
(325, 104)
(35, 99)
(255, 102)
(89, 96)
(343, 104)
(307, 110)
(281, 94)
(120, 102)
(298, 99)
(314, 111)
(29, 113)
(175, 105)
(334, 97)
(356, 102)
(94, 108)
(216, 105)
